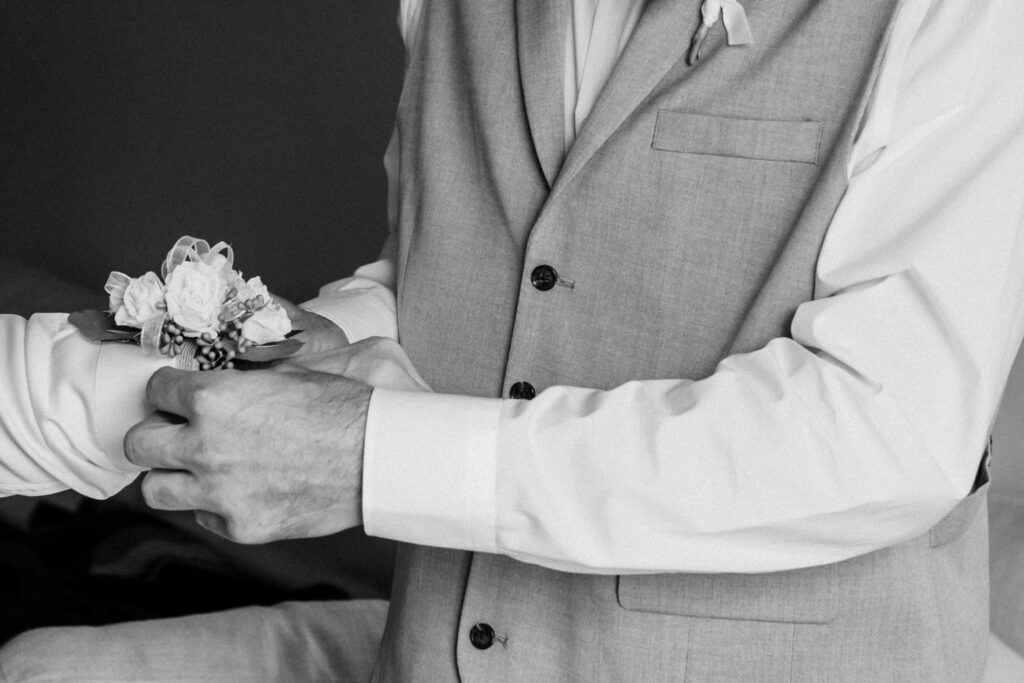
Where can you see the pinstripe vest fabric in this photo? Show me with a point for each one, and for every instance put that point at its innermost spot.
(687, 216)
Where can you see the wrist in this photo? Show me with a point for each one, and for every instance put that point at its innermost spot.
(350, 451)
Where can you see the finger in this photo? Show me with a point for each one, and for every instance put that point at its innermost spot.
(171, 390)
(231, 528)
(295, 314)
(212, 522)
(381, 362)
(159, 442)
(314, 330)
(334, 361)
(170, 490)
(409, 378)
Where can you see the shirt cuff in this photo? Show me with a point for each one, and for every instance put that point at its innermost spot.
(119, 396)
(429, 469)
(360, 307)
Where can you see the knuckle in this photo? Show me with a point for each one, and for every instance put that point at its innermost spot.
(156, 381)
(204, 400)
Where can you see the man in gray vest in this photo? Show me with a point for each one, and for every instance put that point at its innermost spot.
(716, 303)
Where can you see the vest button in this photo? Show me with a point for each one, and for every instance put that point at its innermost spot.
(481, 636)
(543, 278)
(523, 390)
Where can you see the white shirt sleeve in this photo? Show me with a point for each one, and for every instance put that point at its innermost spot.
(65, 406)
(860, 432)
(362, 305)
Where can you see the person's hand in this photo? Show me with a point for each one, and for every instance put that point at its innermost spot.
(266, 454)
(318, 333)
(376, 361)
(259, 455)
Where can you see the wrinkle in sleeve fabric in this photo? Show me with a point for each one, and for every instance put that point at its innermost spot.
(65, 406)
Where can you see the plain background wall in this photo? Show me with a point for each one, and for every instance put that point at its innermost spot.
(127, 123)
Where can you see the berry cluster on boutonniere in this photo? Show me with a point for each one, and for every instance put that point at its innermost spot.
(199, 311)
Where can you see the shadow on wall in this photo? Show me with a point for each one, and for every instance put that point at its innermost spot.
(128, 124)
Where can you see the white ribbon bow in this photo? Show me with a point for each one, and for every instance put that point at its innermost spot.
(737, 28)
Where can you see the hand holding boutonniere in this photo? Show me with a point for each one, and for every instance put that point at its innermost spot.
(199, 311)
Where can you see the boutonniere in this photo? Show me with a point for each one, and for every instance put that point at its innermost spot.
(200, 311)
(737, 29)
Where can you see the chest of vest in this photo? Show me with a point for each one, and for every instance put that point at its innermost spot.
(682, 226)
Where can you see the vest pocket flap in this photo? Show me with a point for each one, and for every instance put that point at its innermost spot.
(799, 596)
(677, 131)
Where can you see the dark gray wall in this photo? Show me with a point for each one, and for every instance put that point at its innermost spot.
(126, 124)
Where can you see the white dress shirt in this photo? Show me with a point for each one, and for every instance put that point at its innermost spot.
(859, 432)
(65, 406)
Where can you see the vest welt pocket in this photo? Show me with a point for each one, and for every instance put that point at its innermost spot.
(808, 596)
(683, 132)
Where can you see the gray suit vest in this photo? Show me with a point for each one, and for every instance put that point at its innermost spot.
(687, 216)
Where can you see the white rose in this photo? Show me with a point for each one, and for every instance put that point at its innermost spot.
(219, 262)
(251, 289)
(269, 324)
(143, 299)
(195, 293)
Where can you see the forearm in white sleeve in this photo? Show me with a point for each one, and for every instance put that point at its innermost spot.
(65, 406)
(859, 432)
(362, 305)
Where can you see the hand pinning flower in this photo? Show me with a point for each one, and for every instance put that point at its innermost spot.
(204, 313)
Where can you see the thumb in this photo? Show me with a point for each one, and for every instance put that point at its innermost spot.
(295, 314)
